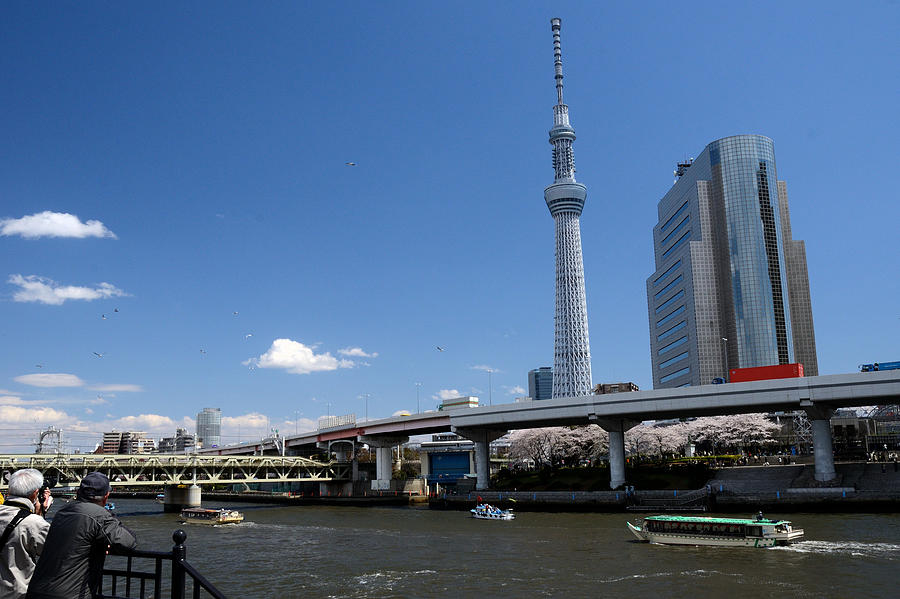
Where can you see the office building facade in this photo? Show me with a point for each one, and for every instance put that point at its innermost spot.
(731, 288)
(540, 383)
(209, 427)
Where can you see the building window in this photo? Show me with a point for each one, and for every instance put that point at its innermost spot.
(669, 271)
(670, 301)
(672, 331)
(672, 218)
(672, 345)
(678, 243)
(670, 316)
(680, 226)
(675, 375)
(671, 361)
(668, 287)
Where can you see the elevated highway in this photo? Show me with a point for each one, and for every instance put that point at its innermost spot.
(818, 396)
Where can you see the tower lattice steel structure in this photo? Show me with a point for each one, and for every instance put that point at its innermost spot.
(565, 199)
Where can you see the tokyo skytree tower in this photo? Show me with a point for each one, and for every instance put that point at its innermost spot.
(565, 199)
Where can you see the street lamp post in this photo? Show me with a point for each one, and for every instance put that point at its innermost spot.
(367, 407)
(490, 372)
(418, 411)
(725, 347)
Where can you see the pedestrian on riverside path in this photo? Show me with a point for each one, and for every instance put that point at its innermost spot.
(81, 534)
(23, 531)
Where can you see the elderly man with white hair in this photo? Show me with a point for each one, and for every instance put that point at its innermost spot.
(22, 531)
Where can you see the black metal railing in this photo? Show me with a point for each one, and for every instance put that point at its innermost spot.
(126, 582)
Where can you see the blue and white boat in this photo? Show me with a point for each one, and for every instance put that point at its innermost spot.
(485, 511)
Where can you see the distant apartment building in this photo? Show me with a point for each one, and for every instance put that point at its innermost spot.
(540, 383)
(604, 388)
(182, 442)
(209, 427)
(456, 403)
(731, 288)
(127, 443)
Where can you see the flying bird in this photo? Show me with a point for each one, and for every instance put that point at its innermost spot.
(98, 355)
(234, 313)
(439, 348)
(38, 365)
(116, 310)
(350, 163)
(103, 316)
(203, 352)
(248, 335)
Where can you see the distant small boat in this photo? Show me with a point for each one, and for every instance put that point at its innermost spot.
(201, 515)
(161, 498)
(485, 511)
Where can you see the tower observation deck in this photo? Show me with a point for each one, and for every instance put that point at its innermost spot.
(565, 199)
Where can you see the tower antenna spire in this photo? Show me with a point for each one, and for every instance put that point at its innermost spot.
(555, 24)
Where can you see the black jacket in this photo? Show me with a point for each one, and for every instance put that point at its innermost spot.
(71, 564)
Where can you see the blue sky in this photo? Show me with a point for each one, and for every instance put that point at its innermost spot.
(200, 150)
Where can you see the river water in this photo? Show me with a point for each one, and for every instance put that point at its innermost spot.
(287, 552)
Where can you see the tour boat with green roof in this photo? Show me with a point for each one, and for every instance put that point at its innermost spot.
(723, 532)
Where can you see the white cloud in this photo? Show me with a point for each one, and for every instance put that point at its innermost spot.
(447, 394)
(484, 368)
(20, 415)
(297, 358)
(357, 352)
(247, 421)
(53, 224)
(50, 380)
(47, 291)
(145, 422)
(112, 388)
(11, 400)
(516, 390)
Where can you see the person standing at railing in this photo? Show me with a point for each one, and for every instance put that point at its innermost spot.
(22, 531)
(81, 533)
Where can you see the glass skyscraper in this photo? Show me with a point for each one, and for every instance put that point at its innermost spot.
(540, 383)
(209, 427)
(731, 288)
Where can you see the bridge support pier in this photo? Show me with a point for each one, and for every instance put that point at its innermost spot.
(820, 419)
(616, 428)
(482, 439)
(178, 497)
(384, 458)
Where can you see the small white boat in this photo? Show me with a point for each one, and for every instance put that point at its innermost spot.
(723, 532)
(161, 498)
(201, 515)
(485, 511)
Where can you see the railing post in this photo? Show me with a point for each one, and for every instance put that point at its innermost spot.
(179, 553)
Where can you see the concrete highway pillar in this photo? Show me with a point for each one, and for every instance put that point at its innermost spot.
(820, 419)
(482, 439)
(384, 458)
(177, 497)
(616, 428)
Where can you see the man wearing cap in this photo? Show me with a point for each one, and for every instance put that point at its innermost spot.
(22, 531)
(80, 535)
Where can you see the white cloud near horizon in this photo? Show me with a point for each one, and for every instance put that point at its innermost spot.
(484, 368)
(22, 415)
(297, 358)
(12, 400)
(50, 379)
(447, 394)
(33, 288)
(53, 224)
(516, 390)
(114, 387)
(357, 352)
(146, 422)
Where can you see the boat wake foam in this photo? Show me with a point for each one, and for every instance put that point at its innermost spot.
(889, 551)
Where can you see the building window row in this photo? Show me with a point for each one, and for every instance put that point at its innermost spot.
(684, 238)
(672, 331)
(669, 271)
(672, 218)
(671, 361)
(672, 345)
(668, 287)
(675, 375)
(670, 316)
(674, 231)
(670, 301)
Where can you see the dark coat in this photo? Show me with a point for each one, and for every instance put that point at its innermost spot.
(71, 564)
